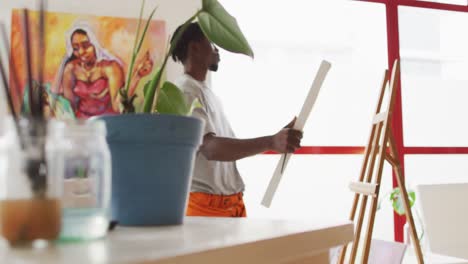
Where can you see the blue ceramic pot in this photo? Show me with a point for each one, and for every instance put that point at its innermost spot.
(152, 164)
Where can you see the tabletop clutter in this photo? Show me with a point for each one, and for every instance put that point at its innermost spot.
(55, 184)
(54, 175)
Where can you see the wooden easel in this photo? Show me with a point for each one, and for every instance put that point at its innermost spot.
(381, 137)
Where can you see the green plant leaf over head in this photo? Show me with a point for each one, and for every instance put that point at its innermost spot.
(222, 29)
(171, 100)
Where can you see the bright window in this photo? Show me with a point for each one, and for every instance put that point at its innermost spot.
(454, 2)
(436, 169)
(260, 96)
(288, 49)
(435, 84)
(289, 41)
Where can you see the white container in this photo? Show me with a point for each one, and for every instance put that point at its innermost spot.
(79, 154)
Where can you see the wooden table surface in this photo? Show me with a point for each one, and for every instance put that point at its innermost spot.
(198, 240)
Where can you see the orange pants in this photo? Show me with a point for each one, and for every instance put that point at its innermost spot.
(204, 204)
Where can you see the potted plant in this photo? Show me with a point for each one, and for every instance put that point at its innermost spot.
(153, 151)
(394, 197)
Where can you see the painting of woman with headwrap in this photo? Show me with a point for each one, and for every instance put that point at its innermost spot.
(86, 58)
(90, 77)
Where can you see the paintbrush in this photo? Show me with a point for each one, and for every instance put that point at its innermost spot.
(4, 81)
(41, 59)
(27, 53)
(35, 129)
(13, 74)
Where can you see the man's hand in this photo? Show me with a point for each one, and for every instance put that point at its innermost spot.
(287, 139)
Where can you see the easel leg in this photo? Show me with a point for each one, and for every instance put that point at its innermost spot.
(365, 175)
(353, 213)
(373, 208)
(406, 204)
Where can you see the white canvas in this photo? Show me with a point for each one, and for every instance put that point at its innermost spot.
(299, 125)
(445, 217)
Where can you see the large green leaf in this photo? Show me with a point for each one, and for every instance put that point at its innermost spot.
(222, 29)
(150, 91)
(171, 100)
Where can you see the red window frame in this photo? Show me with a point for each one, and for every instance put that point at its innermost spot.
(393, 49)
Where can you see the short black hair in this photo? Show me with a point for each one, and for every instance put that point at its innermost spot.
(192, 33)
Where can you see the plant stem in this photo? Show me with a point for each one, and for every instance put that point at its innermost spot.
(42, 60)
(152, 103)
(420, 224)
(134, 53)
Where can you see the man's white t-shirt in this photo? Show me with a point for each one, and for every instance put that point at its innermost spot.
(209, 176)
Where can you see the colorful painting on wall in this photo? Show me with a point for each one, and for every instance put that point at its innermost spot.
(86, 62)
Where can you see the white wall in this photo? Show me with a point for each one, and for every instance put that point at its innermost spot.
(174, 12)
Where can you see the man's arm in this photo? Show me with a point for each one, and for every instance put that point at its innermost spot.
(231, 149)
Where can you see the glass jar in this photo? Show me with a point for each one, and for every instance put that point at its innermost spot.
(29, 197)
(78, 153)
